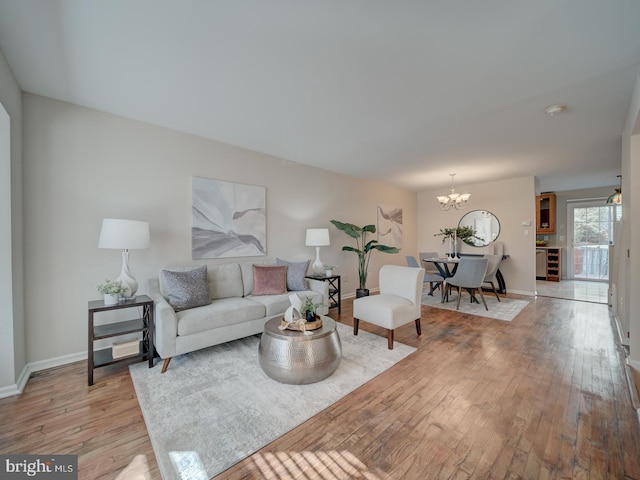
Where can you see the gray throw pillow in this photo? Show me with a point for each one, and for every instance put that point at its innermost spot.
(295, 274)
(187, 289)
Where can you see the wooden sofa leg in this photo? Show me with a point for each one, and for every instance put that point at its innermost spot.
(356, 324)
(418, 327)
(166, 364)
(390, 339)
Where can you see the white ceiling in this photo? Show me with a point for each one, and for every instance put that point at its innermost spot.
(398, 91)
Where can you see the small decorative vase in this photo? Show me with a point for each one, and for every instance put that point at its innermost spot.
(328, 273)
(310, 316)
(111, 298)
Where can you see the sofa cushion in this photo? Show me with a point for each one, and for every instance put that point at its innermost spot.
(220, 313)
(269, 279)
(277, 304)
(295, 274)
(247, 274)
(225, 281)
(187, 289)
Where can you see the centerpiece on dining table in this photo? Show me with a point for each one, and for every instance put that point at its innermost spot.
(464, 233)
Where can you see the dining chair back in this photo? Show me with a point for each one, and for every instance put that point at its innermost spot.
(470, 276)
(429, 267)
(399, 301)
(492, 270)
(434, 280)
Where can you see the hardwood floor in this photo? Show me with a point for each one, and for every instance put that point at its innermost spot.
(543, 396)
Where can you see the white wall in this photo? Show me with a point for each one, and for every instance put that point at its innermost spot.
(81, 166)
(12, 332)
(627, 303)
(631, 259)
(512, 201)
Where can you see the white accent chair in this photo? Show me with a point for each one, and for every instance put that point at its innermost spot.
(470, 276)
(431, 278)
(398, 303)
(492, 270)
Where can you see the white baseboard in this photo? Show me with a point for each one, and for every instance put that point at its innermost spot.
(57, 361)
(9, 391)
(522, 292)
(634, 363)
(29, 368)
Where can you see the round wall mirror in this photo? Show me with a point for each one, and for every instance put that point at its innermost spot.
(485, 224)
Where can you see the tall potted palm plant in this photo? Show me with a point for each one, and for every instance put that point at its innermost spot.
(363, 248)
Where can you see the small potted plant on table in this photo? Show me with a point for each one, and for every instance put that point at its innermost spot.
(309, 309)
(328, 269)
(112, 291)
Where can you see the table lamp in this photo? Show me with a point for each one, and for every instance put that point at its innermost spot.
(125, 235)
(317, 237)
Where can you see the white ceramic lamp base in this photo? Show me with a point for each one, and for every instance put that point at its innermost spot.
(127, 279)
(318, 266)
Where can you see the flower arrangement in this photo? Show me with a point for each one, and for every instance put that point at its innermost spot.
(465, 234)
(329, 266)
(111, 288)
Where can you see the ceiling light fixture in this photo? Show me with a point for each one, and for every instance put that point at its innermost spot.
(616, 197)
(453, 200)
(553, 109)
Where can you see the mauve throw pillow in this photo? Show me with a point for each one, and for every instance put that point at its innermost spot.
(187, 289)
(295, 274)
(269, 279)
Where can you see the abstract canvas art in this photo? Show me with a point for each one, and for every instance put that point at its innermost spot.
(228, 219)
(390, 227)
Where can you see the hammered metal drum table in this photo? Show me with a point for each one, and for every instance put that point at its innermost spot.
(295, 358)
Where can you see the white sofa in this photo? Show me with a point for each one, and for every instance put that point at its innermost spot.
(233, 312)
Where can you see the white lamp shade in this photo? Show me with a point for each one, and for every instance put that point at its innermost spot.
(317, 237)
(124, 234)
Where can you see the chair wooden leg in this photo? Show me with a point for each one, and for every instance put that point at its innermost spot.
(418, 327)
(356, 324)
(165, 365)
(482, 297)
(495, 291)
(459, 295)
(390, 339)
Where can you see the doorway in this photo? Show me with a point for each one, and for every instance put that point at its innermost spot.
(590, 228)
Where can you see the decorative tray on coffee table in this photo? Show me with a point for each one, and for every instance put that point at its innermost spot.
(307, 326)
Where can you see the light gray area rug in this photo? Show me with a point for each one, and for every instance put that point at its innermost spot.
(507, 309)
(214, 407)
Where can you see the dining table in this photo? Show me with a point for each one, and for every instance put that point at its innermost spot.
(442, 265)
(446, 267)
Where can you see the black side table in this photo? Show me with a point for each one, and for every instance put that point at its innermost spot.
(102, 358)
(334, 289)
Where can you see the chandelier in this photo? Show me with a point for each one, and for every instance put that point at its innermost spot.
(453, 200)
(616, 198)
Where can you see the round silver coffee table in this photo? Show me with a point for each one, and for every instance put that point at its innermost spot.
(295, 358)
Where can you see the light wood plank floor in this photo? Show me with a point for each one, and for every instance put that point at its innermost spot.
(544, 396)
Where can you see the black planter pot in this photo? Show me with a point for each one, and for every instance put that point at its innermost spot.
(310, 316)
(362, 292)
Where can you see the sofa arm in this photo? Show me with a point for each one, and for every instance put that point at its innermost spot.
(322, 288)
(166, 322)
